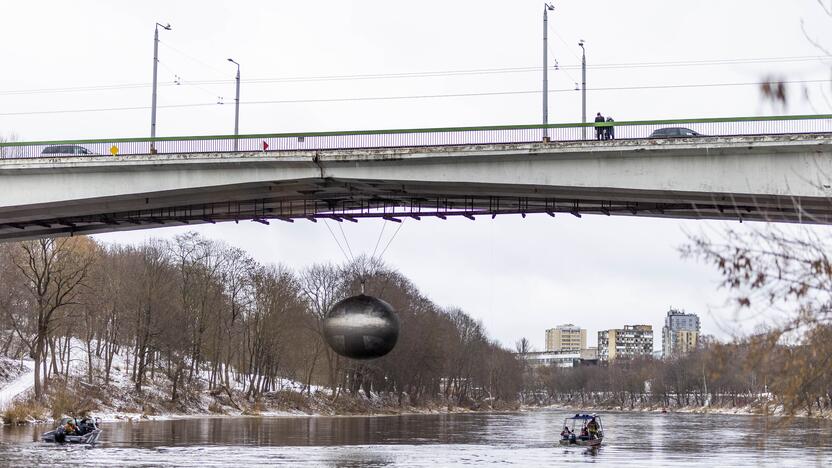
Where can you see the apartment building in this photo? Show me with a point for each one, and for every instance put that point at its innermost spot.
(680, 334)
(628, 342)
(565, 338)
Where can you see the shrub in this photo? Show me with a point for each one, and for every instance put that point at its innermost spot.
(216, 408)
(62, 402)
(255, 409)
(68, 401)
(22, 412)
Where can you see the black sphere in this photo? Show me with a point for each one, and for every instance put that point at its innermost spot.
(361, 327)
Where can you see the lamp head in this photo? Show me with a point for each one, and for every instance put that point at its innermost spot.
(550, 7)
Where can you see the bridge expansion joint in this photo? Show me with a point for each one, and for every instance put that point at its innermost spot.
(317, 160)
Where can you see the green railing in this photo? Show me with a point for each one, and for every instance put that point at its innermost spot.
(395, 138)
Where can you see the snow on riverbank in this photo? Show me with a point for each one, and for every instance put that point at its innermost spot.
(761, 408)
(18, 386)
(120, 401)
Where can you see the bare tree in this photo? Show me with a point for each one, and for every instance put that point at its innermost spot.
(523, 346)
(237, 277)
(53, 273)
(322, 285)
(195, 309)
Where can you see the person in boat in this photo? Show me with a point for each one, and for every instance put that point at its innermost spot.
(584, 433)
(85, 426)
(592, 428)
(69, 428)
(565, 433)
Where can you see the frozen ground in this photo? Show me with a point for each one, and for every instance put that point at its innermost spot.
(119, 401)
(19, 386)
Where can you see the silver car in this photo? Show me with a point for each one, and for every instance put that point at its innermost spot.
(674, 132)
(66, 150)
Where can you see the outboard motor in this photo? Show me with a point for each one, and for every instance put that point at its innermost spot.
(60, 435)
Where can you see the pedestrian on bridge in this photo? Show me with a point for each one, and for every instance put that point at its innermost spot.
(599, 131)
(609, 132)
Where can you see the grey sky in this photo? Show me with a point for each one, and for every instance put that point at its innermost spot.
(518, 276)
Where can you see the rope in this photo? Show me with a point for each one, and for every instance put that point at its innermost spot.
(346, 241)
(383, 225)
(362, 275)
(336, 240)
(391, 240)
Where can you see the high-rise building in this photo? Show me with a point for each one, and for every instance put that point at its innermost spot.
(628, 342)
(680, 334)
(565, 338)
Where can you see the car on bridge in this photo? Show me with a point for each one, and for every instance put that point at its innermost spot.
(674, 132)
(66, 150)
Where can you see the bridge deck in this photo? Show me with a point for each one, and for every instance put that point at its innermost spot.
(701, 178)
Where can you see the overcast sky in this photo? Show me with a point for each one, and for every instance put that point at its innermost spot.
(82, 69)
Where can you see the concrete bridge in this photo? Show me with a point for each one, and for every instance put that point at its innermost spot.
(780, 176)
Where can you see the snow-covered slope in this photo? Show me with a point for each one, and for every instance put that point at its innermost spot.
(18, 386)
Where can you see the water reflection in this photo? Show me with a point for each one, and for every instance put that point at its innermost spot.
(524, 439)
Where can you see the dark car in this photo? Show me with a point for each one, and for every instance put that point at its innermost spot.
(66, 150)
(674, 132)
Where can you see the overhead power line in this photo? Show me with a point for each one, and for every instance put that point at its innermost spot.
(424, 74)
(407, 97)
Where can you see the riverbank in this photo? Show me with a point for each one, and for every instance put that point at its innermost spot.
(288, 403)
(78, 384)
(120, 401)
(29, 412)
(757, 408)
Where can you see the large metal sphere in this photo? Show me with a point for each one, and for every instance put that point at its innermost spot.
(362, 327)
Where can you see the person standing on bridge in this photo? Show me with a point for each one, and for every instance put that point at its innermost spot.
(609, 132)
(599, 131)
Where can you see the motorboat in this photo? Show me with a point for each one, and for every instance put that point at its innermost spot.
(73, 431)
(582, 430)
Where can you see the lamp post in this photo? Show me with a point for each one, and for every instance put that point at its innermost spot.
(155, 70)
(547, 7)
(583, 86)
(236, 106)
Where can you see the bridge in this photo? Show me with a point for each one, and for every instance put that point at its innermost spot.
(759, 168)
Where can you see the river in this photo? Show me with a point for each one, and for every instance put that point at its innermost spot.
(513, 439)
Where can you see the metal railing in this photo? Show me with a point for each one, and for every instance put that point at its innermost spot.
(420, 137)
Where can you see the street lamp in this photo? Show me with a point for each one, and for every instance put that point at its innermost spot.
(236, 106)
(547, 7)
(155, 69)
(583, 85)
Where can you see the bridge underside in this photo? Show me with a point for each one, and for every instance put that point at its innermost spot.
(349, 200)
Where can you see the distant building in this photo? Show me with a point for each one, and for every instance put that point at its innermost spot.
(557, 359)
(628, 342)
(560, 359)
(680, 334)
(565, 338)
(589, 354)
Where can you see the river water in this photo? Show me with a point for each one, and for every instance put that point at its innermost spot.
(518, 439)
